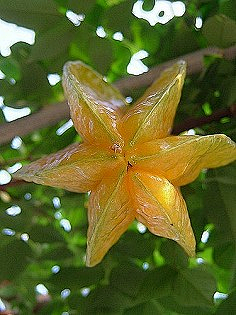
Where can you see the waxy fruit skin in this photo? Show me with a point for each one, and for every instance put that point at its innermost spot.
(128, 158)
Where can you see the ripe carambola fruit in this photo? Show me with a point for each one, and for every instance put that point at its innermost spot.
(128, 159)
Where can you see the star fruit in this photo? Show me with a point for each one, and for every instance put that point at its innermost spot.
(128, 159)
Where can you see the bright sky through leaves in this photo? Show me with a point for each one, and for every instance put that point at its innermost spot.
(11, 34)
(162, 11)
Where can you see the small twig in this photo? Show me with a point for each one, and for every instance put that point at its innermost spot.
(51, 114)
(9, 312)
(14, 182)
(197, 122)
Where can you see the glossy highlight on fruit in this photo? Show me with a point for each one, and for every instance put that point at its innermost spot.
(128, 158)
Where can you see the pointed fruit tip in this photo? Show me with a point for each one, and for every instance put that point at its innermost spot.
(190, 249)
(91, 262)
(182, 62)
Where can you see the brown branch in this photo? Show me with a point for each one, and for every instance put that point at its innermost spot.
(51, 114)
(12, 183)
(200, 121)
(194, 61)
(48, 116)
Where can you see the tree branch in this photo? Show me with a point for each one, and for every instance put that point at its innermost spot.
(191, 122)
(12, 183)
(51, 114)
(194, 61)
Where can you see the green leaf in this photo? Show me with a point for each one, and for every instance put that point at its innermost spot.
(8, 291)
(45, 234)
(228, 8)
(18, 223)
(110, 3)
(192, 194)
(157, 284)
(134, 244)
(76, 277)
(127, 279)
(220, 200)
(228, 306)
(29, 13)
(11, 93)
(73, 206)
(171, 304)
(56, 253)
(79, 6)
(10, 67)
(229, 90)
(149, 308)
(223, 278)
(2, 117)
(101, 56)
(185, 40)
(220, 31)
(116, 21)
(174, 254)
(53, 42)
(119, 66)
(194, 287)
(34, 84)
(152, 42)
(79, 49)
(148, 5)
(101, 301)
(15, 257)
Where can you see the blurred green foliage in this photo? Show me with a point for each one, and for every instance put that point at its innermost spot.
(141, 274)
